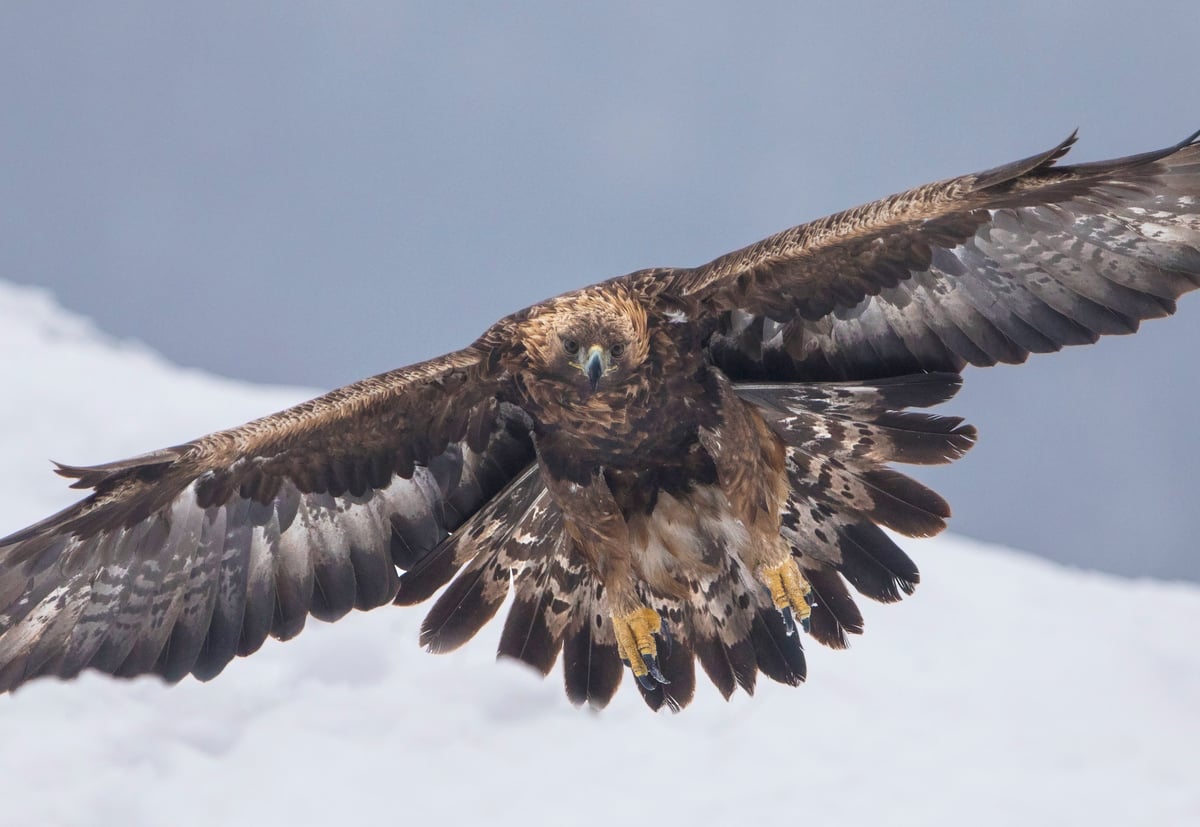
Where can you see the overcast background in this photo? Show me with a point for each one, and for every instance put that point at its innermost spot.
(296, 194)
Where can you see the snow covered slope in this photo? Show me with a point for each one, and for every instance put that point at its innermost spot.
(1007, 690)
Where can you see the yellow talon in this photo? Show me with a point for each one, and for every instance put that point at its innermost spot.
(789, 589)
(636, 645)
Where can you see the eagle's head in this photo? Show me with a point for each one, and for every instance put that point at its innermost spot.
(593, 339)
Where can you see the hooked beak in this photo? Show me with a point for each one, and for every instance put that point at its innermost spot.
(595, 364)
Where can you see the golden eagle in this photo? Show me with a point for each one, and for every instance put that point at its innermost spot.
(676, 465)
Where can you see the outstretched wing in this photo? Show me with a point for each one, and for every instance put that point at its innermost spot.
(183, 558)
(985, 268)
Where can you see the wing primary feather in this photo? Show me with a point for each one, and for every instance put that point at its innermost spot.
(159, 612)
(200, 594)
(139, 586)
(221, 642)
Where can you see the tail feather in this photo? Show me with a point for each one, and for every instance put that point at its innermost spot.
(905, 505)
(924, 439)
(779, 655)
(527, 635)
(835, 614)
(721, 611)
(543, 602)
(874, 564)
(466, 605)
(714, 659)
(678, 665)
(592, 669)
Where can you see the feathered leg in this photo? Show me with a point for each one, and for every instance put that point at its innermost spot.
(602, 537)
(751, 462)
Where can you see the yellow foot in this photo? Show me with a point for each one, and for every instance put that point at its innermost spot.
(636, 645)
(790, 592)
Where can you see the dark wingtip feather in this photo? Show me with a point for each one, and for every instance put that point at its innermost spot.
(90, 476)
(375, 576)
(212, 660)
(715, 662)
(463, 609)
(415, 537)
(1009, 172)
(334, 589)
(527, 637)
(779, 655)
(744, 661)
(874, 564)
(591, 670)
(292, 600)
(905, 505)
(420, 582)
(917, 390)
(678, 666)
(835, 614)
(926, 439)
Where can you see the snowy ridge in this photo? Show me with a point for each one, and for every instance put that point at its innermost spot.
(1006, 690)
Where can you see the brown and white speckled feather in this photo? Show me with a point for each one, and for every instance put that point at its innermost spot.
(592, 668)
(513, 542)
(533, 631)
(518, 541)
(840, 438)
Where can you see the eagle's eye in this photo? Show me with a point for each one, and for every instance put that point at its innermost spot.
(617, 350)
(571, 346)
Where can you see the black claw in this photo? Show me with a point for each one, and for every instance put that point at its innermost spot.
(655, 672)
(811, 599)
(789, 620)
(648, 683)
(806, 624)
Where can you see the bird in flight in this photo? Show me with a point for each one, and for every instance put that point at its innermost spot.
(674, 466)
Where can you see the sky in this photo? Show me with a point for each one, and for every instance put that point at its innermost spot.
(306, 194)
(988, 697)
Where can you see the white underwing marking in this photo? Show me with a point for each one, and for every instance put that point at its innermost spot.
(676, 316)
